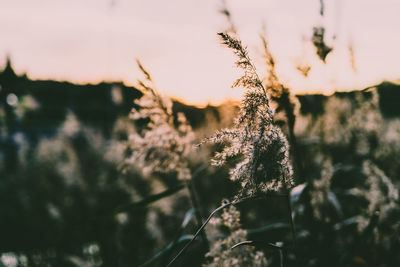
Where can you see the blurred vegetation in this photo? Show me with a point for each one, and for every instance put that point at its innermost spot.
(65, 199)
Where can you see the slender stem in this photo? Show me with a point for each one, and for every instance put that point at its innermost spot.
(196, 206)
(292, 226)
(195, 203)
(256, 243)
(262, 243)
(291, 119)
(206, 222)
(281, 257)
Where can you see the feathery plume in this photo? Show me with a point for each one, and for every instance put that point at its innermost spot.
(261, 147)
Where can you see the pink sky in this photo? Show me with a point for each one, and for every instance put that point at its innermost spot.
(93, 40)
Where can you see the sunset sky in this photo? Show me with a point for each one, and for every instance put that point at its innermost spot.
(94, 40)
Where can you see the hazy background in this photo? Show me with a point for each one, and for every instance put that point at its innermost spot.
(93, 40)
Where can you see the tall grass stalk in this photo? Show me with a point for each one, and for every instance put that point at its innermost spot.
(260, 146)
(282, 96)
(263, 147)
(162, 146)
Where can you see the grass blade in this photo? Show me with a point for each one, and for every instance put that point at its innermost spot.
(150, 199)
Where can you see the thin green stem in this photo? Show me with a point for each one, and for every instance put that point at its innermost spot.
(206, 222)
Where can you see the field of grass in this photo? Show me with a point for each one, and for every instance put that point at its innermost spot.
(110, 175)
